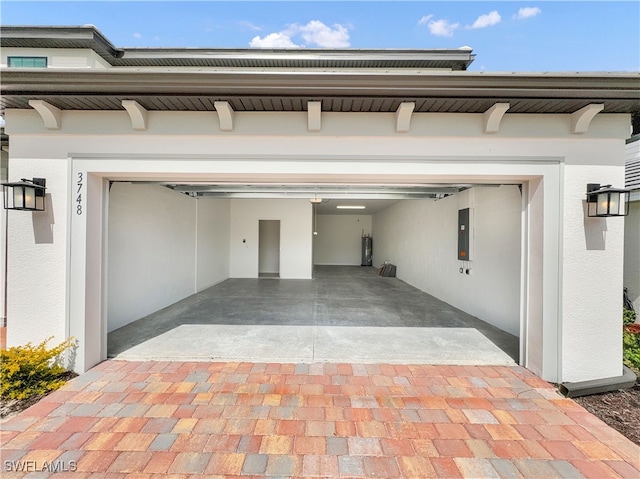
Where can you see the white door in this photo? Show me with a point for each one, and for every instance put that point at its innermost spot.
(269, 247)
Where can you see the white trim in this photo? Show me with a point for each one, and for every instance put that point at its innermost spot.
(225, 115)
(581, 119)
(524, 272)
(51, 116)
(403, 116)
(314, 115)
(137, 113)
(559, 264)
(81, 312)
(493, 116)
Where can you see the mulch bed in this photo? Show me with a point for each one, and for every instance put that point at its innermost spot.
(11, 407)
(619, 409)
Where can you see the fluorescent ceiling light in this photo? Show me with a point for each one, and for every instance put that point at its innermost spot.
(350, 207)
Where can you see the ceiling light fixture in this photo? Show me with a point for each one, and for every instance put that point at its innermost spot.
(315, 201)
(350, 207)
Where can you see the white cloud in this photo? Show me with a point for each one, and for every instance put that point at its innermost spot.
(245, 25)
(488, 20)
(315, 34)
(441, 28)
(273, 40)
(137, 35)
(322, 35)
(527, 12)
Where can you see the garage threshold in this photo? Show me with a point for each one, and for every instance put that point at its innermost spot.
(344, 314)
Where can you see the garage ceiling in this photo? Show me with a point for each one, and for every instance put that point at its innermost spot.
(373, 197)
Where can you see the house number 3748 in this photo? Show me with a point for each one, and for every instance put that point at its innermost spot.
(80, 184)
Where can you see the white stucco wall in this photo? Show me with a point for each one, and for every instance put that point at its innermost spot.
(421, 238)
(37, 258)
(212, 246)
(4, 163)
(58, 57)
(151, 262)
(359, 147)
(593, 248)
(339, 239)
(295, 236)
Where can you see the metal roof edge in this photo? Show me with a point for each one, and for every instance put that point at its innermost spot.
(42, 36)
(53, 36)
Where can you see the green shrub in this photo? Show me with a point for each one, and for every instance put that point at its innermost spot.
(27, 371)
(628, 317)
(631, 349)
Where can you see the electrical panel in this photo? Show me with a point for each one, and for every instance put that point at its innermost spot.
(464, 234)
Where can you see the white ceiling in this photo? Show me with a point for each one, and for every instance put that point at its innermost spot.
(328, 206)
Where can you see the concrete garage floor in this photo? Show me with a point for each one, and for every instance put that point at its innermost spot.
(345, 314)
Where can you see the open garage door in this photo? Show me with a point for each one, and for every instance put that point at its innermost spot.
(184, 263)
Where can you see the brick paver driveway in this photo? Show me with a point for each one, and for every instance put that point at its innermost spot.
(159, 419)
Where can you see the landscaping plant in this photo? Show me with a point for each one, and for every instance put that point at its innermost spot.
(631, 348)
(628, 317)
(28, 371)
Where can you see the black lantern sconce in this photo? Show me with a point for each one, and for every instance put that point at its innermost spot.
(605, 201)
(25, 195)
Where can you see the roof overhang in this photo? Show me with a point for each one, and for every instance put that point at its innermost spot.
(188, 89)
(194, 79)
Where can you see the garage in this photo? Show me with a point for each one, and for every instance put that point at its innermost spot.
(163, 166)
(276, 273)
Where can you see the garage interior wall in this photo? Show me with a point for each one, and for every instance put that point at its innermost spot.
(151, 250)
(163, 247)
(339, 239)
(295, 217)
(421, 238)
(212, 246)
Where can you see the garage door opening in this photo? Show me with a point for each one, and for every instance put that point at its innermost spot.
(189, 270)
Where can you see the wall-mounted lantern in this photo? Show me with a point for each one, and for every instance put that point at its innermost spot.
(605, 201)
(26, 195)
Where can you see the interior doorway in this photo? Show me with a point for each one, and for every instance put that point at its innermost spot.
(269, 248)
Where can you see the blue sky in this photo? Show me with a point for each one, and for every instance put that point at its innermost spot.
(505, 36)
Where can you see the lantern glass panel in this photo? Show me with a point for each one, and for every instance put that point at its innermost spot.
(29, 197)
(623, 203)
(39, 203)
(18, 197)
(603, 204)
(614, 203)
